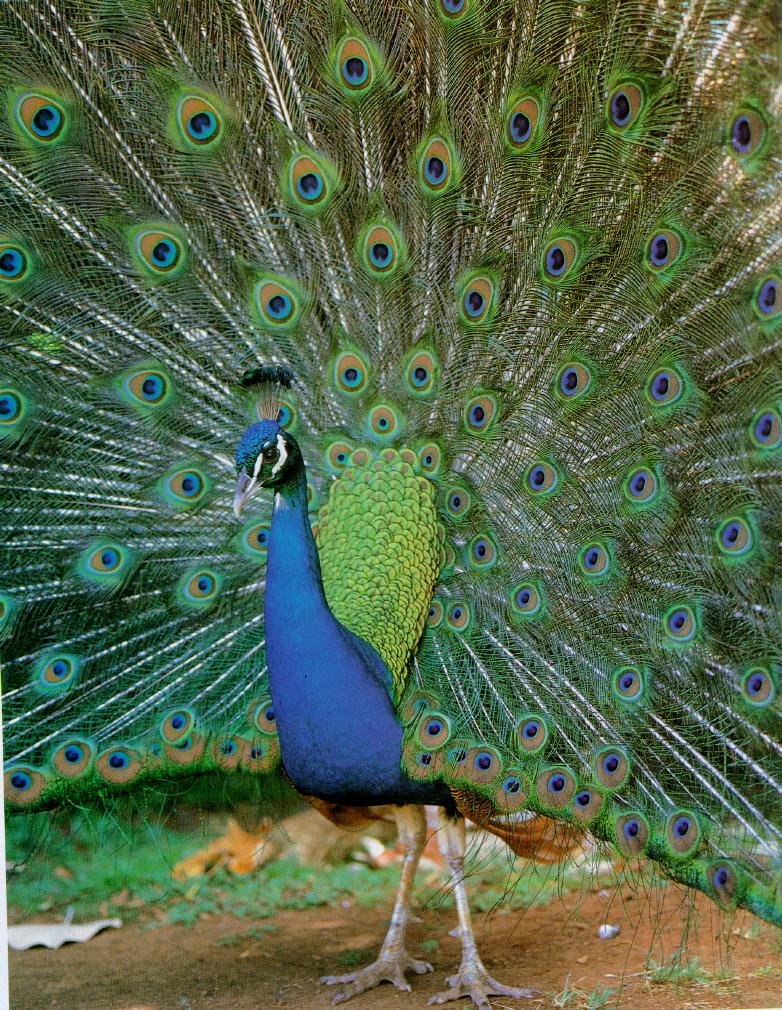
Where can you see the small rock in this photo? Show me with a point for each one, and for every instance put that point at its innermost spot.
(581, 960)
(607, 932)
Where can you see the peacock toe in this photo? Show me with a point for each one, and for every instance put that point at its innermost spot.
(389, 967)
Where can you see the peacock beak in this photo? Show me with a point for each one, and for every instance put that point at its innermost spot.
(245, 485)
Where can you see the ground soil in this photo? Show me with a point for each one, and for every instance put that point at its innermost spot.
(173, 968)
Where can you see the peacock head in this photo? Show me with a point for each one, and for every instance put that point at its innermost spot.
(267, 456)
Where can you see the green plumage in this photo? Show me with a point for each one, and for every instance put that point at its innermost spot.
(533, 251)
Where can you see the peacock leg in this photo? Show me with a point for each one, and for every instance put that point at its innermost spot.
(393, 960)
(471, 980)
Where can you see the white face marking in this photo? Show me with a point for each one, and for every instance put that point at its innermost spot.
(283, 456)
(258, 465)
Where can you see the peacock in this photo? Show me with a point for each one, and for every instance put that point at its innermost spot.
(392, 393)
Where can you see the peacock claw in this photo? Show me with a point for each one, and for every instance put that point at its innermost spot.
(474, 982)
(389, 967)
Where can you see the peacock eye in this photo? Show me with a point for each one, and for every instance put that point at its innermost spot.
(640, 486)
(574, 380)
(747, 134)
(198, 121)
(558, 258)
(680, 624)
(522, 122)
(41, 117)
(664, 387)
(13, 263)
(624, 106)
(768, 303)
(476, 300)
(663, 250)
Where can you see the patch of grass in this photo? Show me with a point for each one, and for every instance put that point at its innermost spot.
(354, 957)
(578, 999)
(677, 972)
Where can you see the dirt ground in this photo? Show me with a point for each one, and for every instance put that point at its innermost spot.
(172, 968)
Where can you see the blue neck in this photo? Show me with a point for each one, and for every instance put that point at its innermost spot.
(339, 734)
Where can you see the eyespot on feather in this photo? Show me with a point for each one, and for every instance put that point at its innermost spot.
(452, 10)
(199, 122)
(228, 751)
(13, 408)
(105, 563)
(429, 457)
(623, 106)
(747, 134)
(586, 805)
(436, 166)
(526, 599)
(532, 733)
(185, 487)
(765, 430)
(664, 387)
(632, 833)
(641, 486)
(309, 184)
(510, 795)
(14, 262)
(723, 882)
(458, 616)
(8, 608)
(147, 388)
(277, 302)
(160, 252)
(457, 503)
(56, 674)
(476, 300)
(555, 787)
(758, 687)
(540, 479)
(767, 301)
(611, 767)
(479, 414)
(254, 540)
(481, 552)
(434, 615)
(381, 251)
(73, 758)
(482, 765)
(423, 765)
(118, 764)
(628, 683)
(683, 833)
(261, 755)
(595, 561)
(521, 123)
(200, 588)
(559, 258)
(680, 623)
(734, 537)
(42, 119)
(354, 67)
(383, 421)
(350, 372)
(176, 725)
(421, 373)
(337, 455)
(23, 785)
(663, 249)
(573, 380)
(262, 716)
(434, 731)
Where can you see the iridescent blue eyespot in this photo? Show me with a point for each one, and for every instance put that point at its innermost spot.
(279, 306)
(680, 624)
(21, 781)
(766, 430)
(631, 828)
(434, 170)
(519, 127)
(164, 253)
(10, 407)
(767, 297)
(380, 254)
(227, 747)
(118, 760)
(73, 754)
(555, 265)
(46, 121)
(13, 263)
(452, 7)
(511, 785)
(474, 303)
(758, 687)
(556, 783)
(309, 186)
(355, 70)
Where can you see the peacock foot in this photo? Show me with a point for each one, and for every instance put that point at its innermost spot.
(474, 982)
(389, 967)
